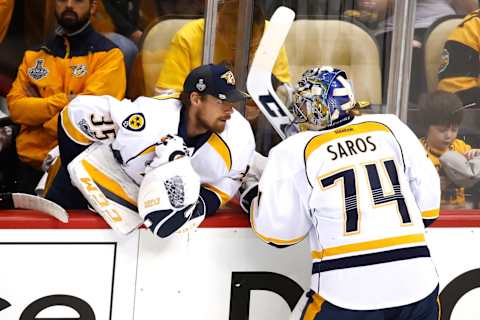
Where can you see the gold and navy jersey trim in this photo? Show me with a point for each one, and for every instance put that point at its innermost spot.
(144, 152)
(346, 131)
(222, 196)
(222, 149)
(431, 214)
(110, 188)
(174, 95)
(270, 240)
(371, 259)
(278, 242)
(342, 132)
(314, 306)
(72, 132)
(369, 245)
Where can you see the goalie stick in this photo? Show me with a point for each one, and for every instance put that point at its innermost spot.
(27, 201)
(259, 83)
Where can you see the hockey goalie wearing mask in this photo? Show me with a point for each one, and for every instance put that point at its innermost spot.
(361, 189)
(173, 161)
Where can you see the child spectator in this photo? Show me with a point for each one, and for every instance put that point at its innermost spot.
(442, 113)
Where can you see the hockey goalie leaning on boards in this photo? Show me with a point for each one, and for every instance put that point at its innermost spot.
(358, 188)
(181, 159)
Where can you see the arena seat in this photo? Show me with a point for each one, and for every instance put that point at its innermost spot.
(154, 48)
(435, 39)
(339, 43)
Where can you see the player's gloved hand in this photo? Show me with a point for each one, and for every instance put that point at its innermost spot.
(168, 198)
(249, 188)
(168, 149)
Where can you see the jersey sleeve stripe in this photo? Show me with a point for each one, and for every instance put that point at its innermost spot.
(275, 241)
(174, 95)
(222, 149)
(109, 185)
(70, 129)
(369, 245)
(147, 150)
(350, 130)
(222, 196)
(431, 214)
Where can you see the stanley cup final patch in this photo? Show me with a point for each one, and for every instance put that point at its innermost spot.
(201, 86)
(39, 71)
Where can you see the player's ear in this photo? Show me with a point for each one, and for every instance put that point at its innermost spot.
(195, 98)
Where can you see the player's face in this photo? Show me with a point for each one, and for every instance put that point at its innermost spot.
(73, 14)
(441, 136)
(214, 113)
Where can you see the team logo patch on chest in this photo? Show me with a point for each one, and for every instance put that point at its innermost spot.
(79, 70)
(134, 122)
(39, 71)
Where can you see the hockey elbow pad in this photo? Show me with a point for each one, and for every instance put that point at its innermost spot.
(168, 198)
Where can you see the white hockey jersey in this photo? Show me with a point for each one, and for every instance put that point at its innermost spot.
(359, 192)
(135, 127)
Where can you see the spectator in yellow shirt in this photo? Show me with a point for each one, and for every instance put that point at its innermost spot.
(442, 114)
(186, 47)
(76, 60)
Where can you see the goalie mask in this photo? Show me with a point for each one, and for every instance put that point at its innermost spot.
(323, 98)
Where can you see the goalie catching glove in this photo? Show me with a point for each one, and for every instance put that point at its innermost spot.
(169, 193)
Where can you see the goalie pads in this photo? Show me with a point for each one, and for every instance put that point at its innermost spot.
(106, 187)
(168, 198)
(462, 172)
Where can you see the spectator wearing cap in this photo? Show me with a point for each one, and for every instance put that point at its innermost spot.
(75, 61)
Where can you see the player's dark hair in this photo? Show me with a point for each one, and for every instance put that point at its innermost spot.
(441, 108)
(185, 99)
